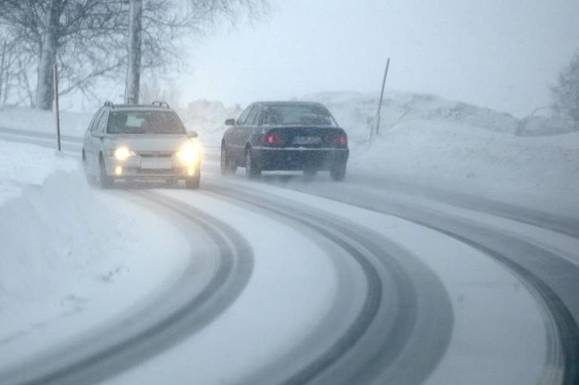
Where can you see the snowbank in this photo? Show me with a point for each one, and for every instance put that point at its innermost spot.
(72, 257)
(26, 164)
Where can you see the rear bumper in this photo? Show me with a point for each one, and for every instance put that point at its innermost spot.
(299, 158)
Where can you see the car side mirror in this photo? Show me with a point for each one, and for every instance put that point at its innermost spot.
(230, 122)
(192, 134)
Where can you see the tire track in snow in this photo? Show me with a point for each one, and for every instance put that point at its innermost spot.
(551, 278)
(369, 351)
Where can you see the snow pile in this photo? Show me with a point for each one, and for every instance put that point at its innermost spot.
(72, 257)
(25, 164)
(52, 232)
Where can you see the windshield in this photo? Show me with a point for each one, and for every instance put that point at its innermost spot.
(145, 122)
(296, 115)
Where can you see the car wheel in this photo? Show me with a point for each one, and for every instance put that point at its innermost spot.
(228, 166)
(338, 172)
(194, 182)
(104, 181)
(252, 170)
(90, 179)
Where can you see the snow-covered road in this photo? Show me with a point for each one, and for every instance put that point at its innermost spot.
(366, 283)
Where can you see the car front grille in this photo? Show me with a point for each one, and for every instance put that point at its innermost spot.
(155, 154)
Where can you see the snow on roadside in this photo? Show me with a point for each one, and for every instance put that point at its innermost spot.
(527, 171)
(72, 257)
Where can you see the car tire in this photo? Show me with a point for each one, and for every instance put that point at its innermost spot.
(90, 179)
(194, 182)
(104, 181)
(338, 172)
(228, 166)
(252, 170)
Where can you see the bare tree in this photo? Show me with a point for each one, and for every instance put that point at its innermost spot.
(566, 91)
(156, 25)
(12, 54)
(88, 39)
(76, 33)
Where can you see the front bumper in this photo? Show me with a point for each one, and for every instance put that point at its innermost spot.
(138, 167)
(299, 158)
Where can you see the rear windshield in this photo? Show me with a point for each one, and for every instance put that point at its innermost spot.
(297, 115)
(145, 122)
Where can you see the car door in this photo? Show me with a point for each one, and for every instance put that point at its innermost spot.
(86, 142)
(236, 137)
(249, 127)
(96, 139)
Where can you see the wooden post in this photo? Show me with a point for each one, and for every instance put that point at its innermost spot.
(377, 130)
(56, 107)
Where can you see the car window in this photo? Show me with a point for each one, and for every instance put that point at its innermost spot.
(93, 121)
(145, 122)
(252, 117)
(96, 125)
(290, 114)
(243, 116)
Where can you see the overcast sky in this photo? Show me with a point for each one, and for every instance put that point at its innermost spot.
(498, 53)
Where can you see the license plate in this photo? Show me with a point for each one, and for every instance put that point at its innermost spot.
(156, 164)
(307, 140)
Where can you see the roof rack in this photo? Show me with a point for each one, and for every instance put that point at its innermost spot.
(160, 103)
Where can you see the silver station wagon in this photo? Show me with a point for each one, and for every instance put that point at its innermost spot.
(140, 142)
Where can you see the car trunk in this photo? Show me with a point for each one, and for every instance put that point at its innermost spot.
(303, 137)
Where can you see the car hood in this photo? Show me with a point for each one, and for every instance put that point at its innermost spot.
(144, 143)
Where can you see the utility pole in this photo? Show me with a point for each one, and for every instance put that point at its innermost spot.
(377, 129)
(135, 40)
(56, 106)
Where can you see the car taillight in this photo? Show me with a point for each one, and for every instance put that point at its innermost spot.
(341, 140)
(273, 139)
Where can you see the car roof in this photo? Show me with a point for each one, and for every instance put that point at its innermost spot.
(137, 107)
(289, 103)
(155, 106)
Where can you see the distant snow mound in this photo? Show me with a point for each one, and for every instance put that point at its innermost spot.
(356, 112)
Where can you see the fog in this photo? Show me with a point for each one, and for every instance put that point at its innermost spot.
(495, 53)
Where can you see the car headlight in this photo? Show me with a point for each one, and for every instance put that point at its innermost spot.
(123, 153)
(189, 153)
